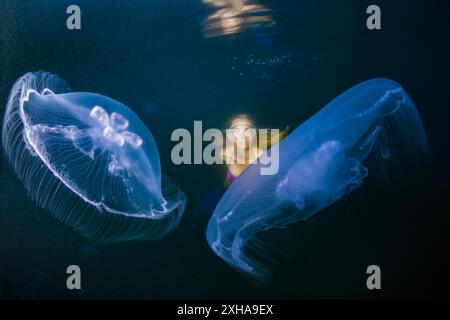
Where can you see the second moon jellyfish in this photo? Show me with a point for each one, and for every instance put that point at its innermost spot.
(319, 163)
(89, 160)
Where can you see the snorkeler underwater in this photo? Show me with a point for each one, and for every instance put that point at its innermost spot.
(224, 149)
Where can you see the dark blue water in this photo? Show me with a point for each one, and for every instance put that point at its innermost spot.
(152, 56)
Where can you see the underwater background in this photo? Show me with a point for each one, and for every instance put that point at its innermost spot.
(154, 57)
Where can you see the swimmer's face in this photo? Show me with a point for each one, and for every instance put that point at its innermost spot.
(243, 132)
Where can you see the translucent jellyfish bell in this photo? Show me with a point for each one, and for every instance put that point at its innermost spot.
(89, 160)
(319, 163)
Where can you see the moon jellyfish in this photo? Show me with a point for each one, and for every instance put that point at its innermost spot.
(319, 163)
(89, 160)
